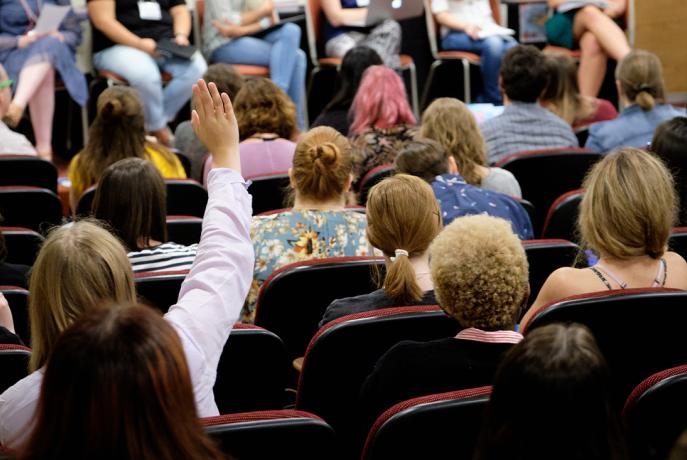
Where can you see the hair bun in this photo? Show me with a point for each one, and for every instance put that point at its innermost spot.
(113, 109)
(327, 153)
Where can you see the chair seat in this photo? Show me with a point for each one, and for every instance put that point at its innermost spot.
(252, 70)
(472, 57)
(166, 77)
(560, 50)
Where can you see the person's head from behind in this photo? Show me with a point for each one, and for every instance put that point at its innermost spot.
(449, 122)
(353, 65)
(118, 124)
(131, 198)
(227, 79)
(523, 74)
(402, 215)
(381, 101)
(117, 385)
(480, 272)
(562, 95)
(322, 166)
(262, 107)
(550, 399)
(639, 77)
(79, 266)
(670, 145)
(425, 159)
(629, 206)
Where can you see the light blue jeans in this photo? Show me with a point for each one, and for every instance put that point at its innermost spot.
(280, 51)
(143, 73)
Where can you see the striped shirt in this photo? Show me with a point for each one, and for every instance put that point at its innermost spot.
(478, 335)
(166, 257)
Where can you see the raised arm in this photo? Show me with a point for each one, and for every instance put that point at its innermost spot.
(339, 17)
(213, 293)
(104, 18)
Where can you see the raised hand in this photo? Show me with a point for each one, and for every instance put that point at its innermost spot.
(215, 125)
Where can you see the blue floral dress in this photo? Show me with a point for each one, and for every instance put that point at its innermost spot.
(294, 236)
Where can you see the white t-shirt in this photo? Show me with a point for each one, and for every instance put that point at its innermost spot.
(477, 12)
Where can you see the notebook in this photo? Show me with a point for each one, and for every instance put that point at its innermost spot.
(576, 4)
(168, 48)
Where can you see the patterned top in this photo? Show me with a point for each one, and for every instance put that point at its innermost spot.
(294, 236)
(377, 146)
(524, 126)
(457, 198)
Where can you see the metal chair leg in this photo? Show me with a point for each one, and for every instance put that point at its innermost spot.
(413, 89)
(428, 83)
(466, 81)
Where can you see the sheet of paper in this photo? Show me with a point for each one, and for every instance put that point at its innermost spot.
(575, 4)
(494, 29)
(51, 17)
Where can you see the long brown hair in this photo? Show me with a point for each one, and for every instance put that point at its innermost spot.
(117, 386)
(79, 266)
(402, 213)
(449, 122)
(562, 95)
(117, 132)
(131, 198)
(641, 78)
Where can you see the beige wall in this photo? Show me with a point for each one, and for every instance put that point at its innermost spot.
(661, 27)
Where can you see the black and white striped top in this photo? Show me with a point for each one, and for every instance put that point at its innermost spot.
(163, 258)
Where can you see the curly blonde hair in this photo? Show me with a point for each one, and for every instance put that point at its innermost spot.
(480, 272)
(449, 122)
(262, 107)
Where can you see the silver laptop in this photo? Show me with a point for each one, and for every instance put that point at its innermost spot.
(380, 10)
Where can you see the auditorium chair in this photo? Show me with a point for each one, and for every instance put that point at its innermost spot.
(314, 23)
(269, 435)
(373, 177)
(292, 301)
(184, 160)
(28, 170)
(678, 241)
(545, 256)
(184, 229)
(159, 289)
(35, 208)
(252, 371)
(655, 414)
(269, 192)
(465, 58)
(561, 220)
(344, 352)
(14, 362)
(546, 174)
(528, 207)
(18, 300)
(444, 426)
(22, 244)
(639, 331)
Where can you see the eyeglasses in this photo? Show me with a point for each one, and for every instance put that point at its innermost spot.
(6, 84)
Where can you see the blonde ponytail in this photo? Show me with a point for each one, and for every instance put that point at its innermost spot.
(641, 79)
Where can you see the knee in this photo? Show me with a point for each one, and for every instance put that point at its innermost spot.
(292, 31)
(392, 27)
(589, 13)
(494, 46)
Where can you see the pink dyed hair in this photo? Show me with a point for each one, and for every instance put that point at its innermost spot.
(381, 101)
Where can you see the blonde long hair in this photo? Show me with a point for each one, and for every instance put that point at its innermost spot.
(80, 266)
(641, 79)
(562, 95)
(449, 122)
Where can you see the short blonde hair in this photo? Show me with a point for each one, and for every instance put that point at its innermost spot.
(80, 266)
(449, 122)
(629, 206)
(480, 272)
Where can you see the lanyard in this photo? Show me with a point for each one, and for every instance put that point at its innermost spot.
(29, 11)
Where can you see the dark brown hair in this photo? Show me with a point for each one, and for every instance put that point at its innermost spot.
(131, 198)
(670, 145)
(262, 107)
(423, 158)
(550, 399)
(117, 386)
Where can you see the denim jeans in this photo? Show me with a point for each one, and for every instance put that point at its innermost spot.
(491, 51)
(143, 73)
(280, 51)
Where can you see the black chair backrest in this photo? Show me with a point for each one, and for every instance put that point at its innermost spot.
(372, 178)
(259, 357)
(269, 192)
(529, 207)
(344, 352)
(639, 331)
(28, 170)
(545, 256)
(655, 414)
(445, 426)
(546, 174)
(678, 241)
(184, 229)
(185, 197)
(185, 162)
(85, 203)
(269, 435)
(160, 289)
(18, 300)
(292, 301)
(14, 362)
(561, 220)
(23, 245)
(30, 207)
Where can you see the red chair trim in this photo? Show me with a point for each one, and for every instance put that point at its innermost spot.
(557, 202)
(24, 188)
(258, 416)
(648, 383)
(183, 218)
(547, 241)
(373, 172)
(10, 346)
(532, 153)
(678, 230)
(148, 275)
(19, 230)
(596, 295)
(13, 288)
